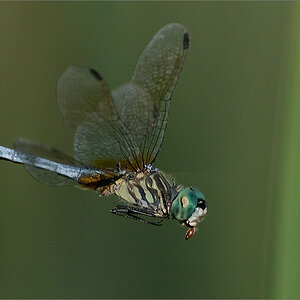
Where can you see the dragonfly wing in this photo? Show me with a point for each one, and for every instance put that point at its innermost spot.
(128, 128)
(42, 175)
(118, 96)
(138, 114)
(154, 80)
(101, 139)
(48, 177)
(81, 91)
(102, 143)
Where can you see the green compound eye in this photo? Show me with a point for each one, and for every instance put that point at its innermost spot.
(184, 204)
(198, 193)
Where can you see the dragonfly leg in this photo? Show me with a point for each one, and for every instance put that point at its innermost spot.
(130, 212)
(136, 210)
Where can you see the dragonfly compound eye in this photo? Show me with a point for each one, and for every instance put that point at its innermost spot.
(184, 205)
(189, 208)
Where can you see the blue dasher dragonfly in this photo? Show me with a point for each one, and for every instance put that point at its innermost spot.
(118, 135)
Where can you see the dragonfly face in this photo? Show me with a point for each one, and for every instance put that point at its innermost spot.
(189, 208)
(118, 135)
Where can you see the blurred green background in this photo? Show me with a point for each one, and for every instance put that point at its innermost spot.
(233, 131)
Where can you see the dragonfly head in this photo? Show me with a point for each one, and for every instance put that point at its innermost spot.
(189, 208)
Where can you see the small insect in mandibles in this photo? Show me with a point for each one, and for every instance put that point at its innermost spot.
(118, 135)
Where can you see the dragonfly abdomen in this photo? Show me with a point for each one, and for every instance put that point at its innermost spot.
(151, 191)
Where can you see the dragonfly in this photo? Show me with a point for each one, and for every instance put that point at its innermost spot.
(118, 135)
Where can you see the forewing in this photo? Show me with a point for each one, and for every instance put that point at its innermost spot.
(100, 138)
(81, 91)
(104, 144)
(137, 113)
(155, 77)
(128, 130)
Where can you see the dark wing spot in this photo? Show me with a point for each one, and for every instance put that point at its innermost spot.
(186, 40)
(96, 74)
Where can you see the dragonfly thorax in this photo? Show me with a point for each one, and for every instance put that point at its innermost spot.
(149, 190)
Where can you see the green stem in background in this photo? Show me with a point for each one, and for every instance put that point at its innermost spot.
(286, 274)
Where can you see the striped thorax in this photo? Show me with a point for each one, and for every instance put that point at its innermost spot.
(148, 190)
